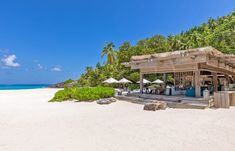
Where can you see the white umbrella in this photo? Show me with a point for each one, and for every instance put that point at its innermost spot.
(124, 80)
(110, 80)
(145, 81)
(158, 81)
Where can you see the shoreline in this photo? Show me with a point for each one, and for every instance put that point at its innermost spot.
(23, 86)
(30, 89)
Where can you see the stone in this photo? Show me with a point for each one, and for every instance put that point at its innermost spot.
(112, 99)
(155, 106)
(103, 101)
(162, 106)
(151, 106)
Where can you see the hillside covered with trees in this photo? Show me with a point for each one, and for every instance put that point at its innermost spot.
(219, 33)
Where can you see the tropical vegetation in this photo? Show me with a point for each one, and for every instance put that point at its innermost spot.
(83, 94)
(219, 33)
(110, 52)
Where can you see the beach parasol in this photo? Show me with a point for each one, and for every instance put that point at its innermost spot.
(110, 80)
(124, 80)
(158, 81)
(144, 81)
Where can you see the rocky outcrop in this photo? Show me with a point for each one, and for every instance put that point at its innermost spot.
(155, 106)
(58, 85)
(64, 84)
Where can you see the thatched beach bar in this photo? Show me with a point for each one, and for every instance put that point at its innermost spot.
(200, 69)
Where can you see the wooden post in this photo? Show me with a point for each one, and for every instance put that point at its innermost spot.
(193, 80)
(192, 84)
(174, 79)
(141, 82)
(165, 79)
(197, 84)
(215, 81)
(227, 79)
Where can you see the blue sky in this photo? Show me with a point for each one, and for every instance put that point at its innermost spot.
(48, 41)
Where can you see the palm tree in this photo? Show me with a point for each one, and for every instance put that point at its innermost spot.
(110, 52)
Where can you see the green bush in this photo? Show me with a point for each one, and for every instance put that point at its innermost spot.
(83, 94)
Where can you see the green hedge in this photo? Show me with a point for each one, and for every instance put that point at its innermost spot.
(83, 94)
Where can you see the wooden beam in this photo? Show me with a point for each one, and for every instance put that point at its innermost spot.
(220, 63)
(194, 56)
(169, 69)
(213, 68)
(170, 62)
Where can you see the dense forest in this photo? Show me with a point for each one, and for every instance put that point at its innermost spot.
(219, 33)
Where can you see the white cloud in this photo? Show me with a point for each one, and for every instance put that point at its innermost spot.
(10, 61)
(56, 69)
(39, 66)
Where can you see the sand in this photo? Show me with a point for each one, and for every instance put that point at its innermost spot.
(29, 123)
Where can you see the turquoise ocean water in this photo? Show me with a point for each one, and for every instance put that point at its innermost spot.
(22, 86)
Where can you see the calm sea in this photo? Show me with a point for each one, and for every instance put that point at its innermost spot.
(22, 86)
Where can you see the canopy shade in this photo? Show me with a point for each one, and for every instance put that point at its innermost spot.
(145, 81)
(110, 80)
(124, 80)
(158, 81)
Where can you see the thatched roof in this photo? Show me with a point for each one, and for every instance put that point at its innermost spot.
(180, 53)
(205, 58)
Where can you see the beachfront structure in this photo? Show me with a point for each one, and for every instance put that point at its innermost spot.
(197, 68)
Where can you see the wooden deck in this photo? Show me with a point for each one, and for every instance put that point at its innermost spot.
(172, 101)
(169, 98)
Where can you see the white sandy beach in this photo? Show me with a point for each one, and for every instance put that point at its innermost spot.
(29, 123)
